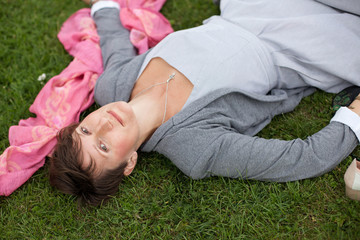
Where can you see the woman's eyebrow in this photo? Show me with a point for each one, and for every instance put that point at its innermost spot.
(78, 136)
(76, 132)
(99, 151)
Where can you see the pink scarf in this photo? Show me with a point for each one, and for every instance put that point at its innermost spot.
(66, 95)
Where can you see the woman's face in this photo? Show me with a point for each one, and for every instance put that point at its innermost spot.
(109, 136)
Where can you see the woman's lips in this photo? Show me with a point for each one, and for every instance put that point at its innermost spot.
(116, 117)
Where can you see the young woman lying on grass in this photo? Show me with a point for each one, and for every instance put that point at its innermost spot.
(201, 95)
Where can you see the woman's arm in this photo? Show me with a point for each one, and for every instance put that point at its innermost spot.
(203, 152)
(278, 160)
(121, 64)
(115, 42)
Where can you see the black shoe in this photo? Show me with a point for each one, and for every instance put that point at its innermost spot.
(216, 2)
(345, 97)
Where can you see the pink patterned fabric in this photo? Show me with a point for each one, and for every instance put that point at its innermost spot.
(65, 96)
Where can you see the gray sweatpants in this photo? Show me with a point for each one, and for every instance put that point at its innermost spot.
(310, 42)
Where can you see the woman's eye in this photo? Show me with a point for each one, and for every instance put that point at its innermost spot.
(103, 147)
(84, 130)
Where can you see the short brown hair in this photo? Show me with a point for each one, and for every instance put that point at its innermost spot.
(68, 175)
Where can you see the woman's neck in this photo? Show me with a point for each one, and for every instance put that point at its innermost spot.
(149, 111)
(149, 105)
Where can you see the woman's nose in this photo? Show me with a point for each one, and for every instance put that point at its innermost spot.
(104, 125)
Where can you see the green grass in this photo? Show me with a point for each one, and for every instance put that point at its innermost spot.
(158, 201)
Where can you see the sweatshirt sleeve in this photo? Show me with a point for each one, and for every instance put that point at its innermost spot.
(201, 153)
(115, 44)
(120, 61)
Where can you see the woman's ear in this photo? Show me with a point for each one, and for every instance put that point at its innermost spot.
(131, 164)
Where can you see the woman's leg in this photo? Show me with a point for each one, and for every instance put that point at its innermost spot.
(351, 6)
(310, 41)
